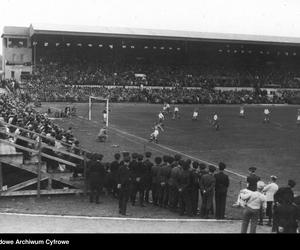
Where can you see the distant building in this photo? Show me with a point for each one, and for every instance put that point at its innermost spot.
(16, 52)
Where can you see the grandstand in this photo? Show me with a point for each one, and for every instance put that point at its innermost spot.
(72, 63)
(133, 56)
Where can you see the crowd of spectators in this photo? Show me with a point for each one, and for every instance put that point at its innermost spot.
(72, 80)
(75, 70)
(16, 112)
(64, 93)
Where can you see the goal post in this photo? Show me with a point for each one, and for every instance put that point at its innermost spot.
(105, 100)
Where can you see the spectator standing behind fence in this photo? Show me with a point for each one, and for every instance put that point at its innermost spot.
(96, 177)
(270, 189)
(286, 212)
(124, 184)
(207, 187)
(283, 195)
(222, 184)
(254, 202)
(252, 179)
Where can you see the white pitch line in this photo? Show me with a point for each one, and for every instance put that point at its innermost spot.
(115, 218)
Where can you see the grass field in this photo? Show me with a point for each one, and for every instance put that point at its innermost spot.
(273, 148)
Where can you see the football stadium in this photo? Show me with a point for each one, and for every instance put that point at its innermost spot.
(74, 94)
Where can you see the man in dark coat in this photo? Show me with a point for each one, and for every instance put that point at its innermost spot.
(207, 187)
(133, 172)
(222, 184)
(96, 177)
(155, 179)
(285, 193)
(202, 171)
(174, 183)
(139, 181)
(195, 187)
(148, 177)
(252, 179)
(286, 212)
(285, 196)
(185, 190)
(124, 182)
(163, 177)
(114, 167)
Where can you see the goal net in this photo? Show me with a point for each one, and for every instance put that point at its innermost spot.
(99, 109)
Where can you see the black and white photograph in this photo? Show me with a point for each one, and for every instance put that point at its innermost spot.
(148, 117)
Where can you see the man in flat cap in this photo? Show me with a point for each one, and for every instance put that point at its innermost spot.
(252, 179)
(155, 172)
(96, 176)
(174, 174)
(124, 183)
(185, 190)
(114, 167)
(195, 187)
(207, 187)
(148, 177)
(222, 184)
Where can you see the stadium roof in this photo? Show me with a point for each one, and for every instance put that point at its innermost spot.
(15, 31)
(98, 31)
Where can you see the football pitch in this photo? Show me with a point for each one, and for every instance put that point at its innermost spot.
(273, 148)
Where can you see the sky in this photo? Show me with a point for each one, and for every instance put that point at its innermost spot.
(259, 17)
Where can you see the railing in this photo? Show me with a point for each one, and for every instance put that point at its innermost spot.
(39, 145)
(82, 150)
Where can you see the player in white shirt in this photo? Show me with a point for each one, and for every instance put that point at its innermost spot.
(165, 109)
(168, 107)
(155, 133)
(242, 112)
(161, 117)
(215, 121)
(102, 135)
(298, 118)
(104, 114)
(176, 113)
(267, 115)
(195, 115)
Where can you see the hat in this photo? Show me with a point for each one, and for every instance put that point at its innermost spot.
(292, 183)
(177, 157)
(165, 158)
(134, 155)
(252, 169)
(99, 157)
(211, 168)
(158, 160)
(186, 165)
(171, 159)
(148, 154)
(140, 157)
(274, 177)
(195, 164)
(126, 159)
(260, 185)
(222, 166)
(202, 166)
(125, 153)
(117, 156)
